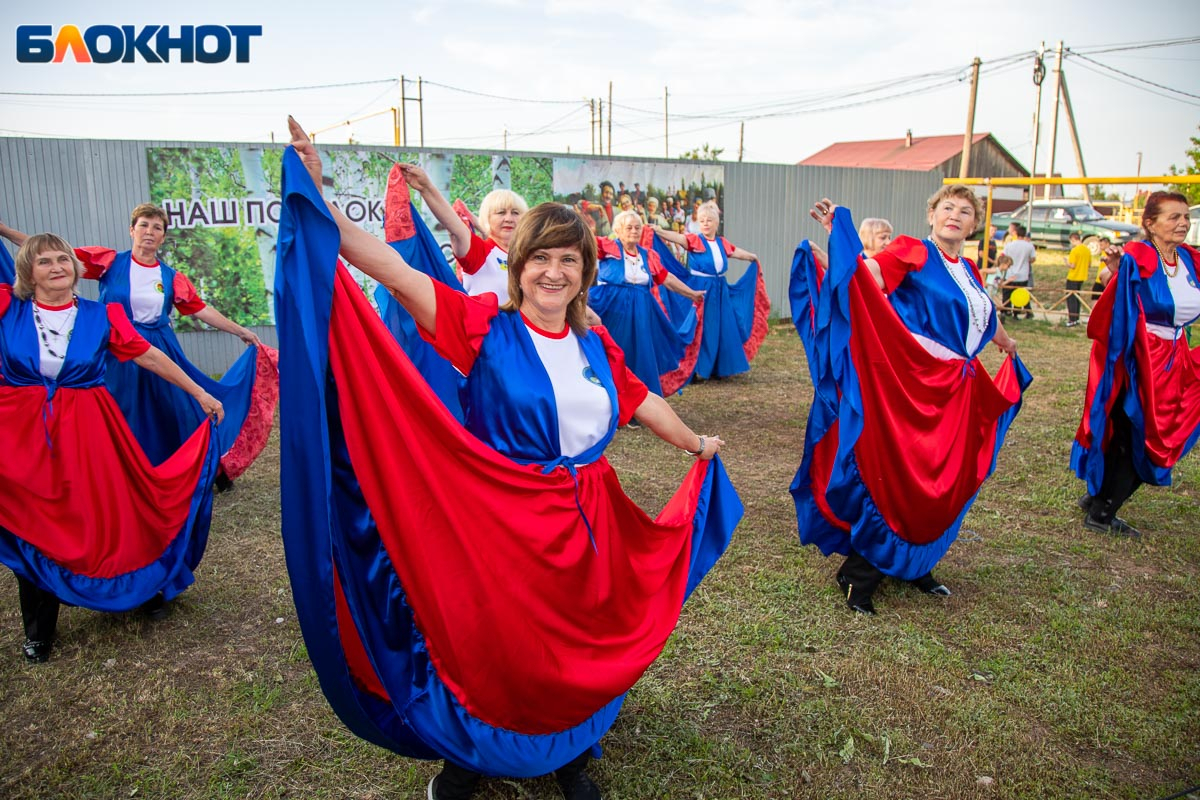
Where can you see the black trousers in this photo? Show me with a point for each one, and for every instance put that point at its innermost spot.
(1073, 304)
(460, 782)
(1121, 479)
(39, 611)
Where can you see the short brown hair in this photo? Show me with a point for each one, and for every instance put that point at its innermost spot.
(960, 192)
(545, 226)
(148, 210)
(1154, 204)
(34, 246)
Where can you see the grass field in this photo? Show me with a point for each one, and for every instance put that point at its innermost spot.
(1066, 664)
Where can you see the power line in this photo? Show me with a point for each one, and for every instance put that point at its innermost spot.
(497, 96)
(1114, 48)
(1134, 77)
(199, 94)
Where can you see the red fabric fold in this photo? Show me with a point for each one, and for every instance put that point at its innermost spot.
(762, 312)
(256, 430)
(677, 378)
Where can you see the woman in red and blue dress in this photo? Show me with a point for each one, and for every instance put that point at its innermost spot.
(160, 414)
(735, 316)
(626, 297)
(1141, 413)
(906, 423)
(482, 592)
(84, 517)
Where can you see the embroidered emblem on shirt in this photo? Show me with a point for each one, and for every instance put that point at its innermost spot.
(158, 287)
(590, 375)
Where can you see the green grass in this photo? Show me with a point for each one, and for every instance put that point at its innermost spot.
(1066, 664)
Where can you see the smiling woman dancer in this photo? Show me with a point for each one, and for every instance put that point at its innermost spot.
(482, 592)
(86, 519)
(1142, 409)
(906, 423)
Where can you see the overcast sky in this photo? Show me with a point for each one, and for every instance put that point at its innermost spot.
(800, 74)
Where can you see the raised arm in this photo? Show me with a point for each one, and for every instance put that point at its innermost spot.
(744, 255)
(679, 287)
(460, 234)
(13, 235)
(657, 415)
(822, 212)
(161, 365)
(413, 289)
(673, 237)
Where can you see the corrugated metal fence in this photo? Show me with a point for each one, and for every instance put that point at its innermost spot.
(83, 189)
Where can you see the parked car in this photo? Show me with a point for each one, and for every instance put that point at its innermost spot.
(1193, 237)
(1051, 222)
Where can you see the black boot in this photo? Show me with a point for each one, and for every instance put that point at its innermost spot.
(930, 585)
(858, 602)
(574, 781)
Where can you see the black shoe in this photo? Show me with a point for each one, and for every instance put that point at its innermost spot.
(578, 786)
(36, 652)
(1085, 503)
(1114, 527)
(156, 608)
(859, 605)
(930, 585)
(223, 483)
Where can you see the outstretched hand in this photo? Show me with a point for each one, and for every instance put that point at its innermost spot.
(306, 150)
(822, 212)
(417, 178)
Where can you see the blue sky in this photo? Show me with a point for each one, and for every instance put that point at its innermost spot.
(722, 62)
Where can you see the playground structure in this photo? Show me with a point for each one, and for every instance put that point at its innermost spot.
(1057, 305)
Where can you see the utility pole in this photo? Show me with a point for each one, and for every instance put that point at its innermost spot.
(600, 127)
(1054, 120)
(965, 163)
(421, 110)
(666, 126)
(610, 116)
(592, 122)
(1066, 98)
(506, 138)
(1137, 187)
(741, 140)
(403, 115)
(1039, 75)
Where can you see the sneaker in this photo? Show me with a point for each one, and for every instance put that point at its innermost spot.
(579, 786)
(36, 652)
(1072, 324)
(464, 791)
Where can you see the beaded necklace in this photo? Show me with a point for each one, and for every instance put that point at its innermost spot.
(978, 319)
(67, 326)
(1172, 272)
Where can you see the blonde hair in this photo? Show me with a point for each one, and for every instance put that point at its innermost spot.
(34, 246)
(552, 225)
(497, 200)
(871, 226)
(709, 208)
(959, 192)
(621, 220)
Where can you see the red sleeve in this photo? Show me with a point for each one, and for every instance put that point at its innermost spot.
(476, 255)
(904, 255)
(657, 271)
(95, 260)
(696, 243)
(5, 298)
(123, 341)
(728, 245)
(187, 299)
(631, 392)
(607, 248)
(462, 322)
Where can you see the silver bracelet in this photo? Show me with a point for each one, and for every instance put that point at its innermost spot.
(697, 452)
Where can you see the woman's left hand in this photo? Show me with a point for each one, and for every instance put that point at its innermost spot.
(696, 296)
(249, 337)
(212, 406)
(1004, 341)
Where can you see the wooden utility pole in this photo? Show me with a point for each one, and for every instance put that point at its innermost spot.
(421, 110)
(592, 122)
(403, 116)
(600, 127)
(965, 164)
(1039, 76)
(1066, 98)
(666, 126)
(1054, 120)
(610, 116)
(741, 140)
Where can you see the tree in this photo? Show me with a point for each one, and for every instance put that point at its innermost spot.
(1189, 190)
(703, 153)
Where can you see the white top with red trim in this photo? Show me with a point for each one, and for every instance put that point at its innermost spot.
(145, 292)
(1186, 298)
(54, 334)
(485, 269)
(633, 269)
(584, 409)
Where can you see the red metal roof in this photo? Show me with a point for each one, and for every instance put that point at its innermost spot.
(926, 153)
